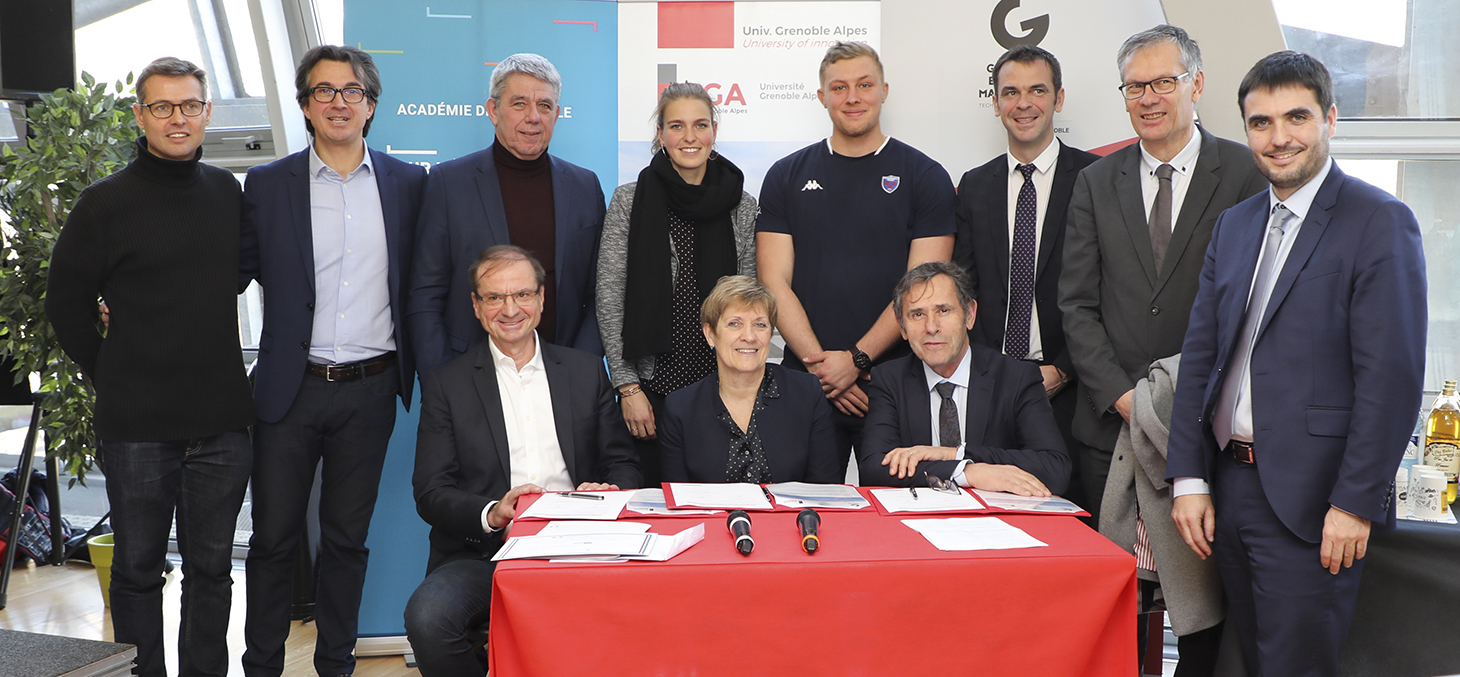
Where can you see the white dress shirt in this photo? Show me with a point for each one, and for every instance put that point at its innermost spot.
(1183, 163)
(1299, 203)
(1043, 179)
(959, 379)
(532, 435)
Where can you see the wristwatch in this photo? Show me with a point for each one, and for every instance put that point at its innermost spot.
(860, 359)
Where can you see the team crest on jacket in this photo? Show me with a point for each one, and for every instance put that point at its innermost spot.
(889, 182)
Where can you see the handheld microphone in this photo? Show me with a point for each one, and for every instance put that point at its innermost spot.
(808, 520)
(739, 524)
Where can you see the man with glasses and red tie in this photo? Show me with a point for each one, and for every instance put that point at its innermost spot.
(159, 240)
(327, 232)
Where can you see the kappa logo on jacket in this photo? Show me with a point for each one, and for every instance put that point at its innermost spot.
(811, 185)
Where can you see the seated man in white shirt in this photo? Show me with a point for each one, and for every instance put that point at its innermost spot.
(953, 410)
(511, 416)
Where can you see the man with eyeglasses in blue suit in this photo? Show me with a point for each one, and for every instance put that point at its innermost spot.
(327, 232)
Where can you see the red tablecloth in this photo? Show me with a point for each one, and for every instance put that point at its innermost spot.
(878, 599)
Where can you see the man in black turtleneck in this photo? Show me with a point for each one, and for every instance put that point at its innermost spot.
(513, 192)
(159, 241)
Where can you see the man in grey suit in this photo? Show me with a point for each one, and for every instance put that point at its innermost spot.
(1139, 223)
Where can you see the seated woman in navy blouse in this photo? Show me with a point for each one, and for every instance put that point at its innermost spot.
(748, 421)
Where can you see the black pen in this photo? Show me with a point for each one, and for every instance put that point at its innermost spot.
(574, 494)
(914, 491)
(767, 493)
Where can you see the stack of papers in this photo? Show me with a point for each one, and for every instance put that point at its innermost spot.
(739, 496)
(651, 502)
(572, 505)
(599, 542)
(973, 533)
(1052, 504)
(925, 500)
(804, 495)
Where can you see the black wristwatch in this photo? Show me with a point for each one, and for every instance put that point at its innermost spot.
(861, 359)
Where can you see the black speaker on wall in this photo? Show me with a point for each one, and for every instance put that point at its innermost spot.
(37, 47)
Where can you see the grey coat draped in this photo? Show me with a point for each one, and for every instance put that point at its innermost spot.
(1191, 586)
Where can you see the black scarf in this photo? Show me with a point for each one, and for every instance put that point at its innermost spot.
(649, 289)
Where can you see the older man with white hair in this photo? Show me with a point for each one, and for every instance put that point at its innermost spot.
(513, 192)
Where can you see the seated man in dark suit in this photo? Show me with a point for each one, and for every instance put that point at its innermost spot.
(992, 426)
(514, 415)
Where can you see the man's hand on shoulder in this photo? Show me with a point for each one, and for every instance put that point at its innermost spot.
(902, 461)
(1006, 478)
(1345, 539)
(501, 514)
(1196, 521)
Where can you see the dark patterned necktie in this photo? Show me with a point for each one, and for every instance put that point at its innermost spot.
(1021, 269)
(948, 435)
(1161, 215)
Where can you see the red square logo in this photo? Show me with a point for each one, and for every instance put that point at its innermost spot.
(696, 25)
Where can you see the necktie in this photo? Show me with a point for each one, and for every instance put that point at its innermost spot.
(1021, 269)
(1160, 223)
(948, 435)
(1237, 377)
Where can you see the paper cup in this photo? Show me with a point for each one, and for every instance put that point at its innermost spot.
(1401, 492)
(1428, 498)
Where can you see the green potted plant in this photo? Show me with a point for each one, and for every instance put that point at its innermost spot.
(77, 137)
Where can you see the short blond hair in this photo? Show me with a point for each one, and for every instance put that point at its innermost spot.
(844, 50)
(737, 290)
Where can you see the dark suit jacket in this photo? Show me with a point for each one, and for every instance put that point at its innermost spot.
(1008, 420)
(1120, 313)
(795, 430)
(982, 248)
(277, 249)
(463, 215)
(462, 458)
(1338, 364)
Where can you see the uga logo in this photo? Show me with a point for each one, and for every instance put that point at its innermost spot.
(889, 183)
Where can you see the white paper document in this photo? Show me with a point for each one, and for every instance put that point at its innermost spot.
(602, 547)
(973, 533)
(1052, 504)
(925, 500)
(739, 496)
(569, 527)
(573, 545)
(651, 502)
(807, 495)
(572, 505)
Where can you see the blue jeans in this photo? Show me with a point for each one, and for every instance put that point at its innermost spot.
(453, 599)
(202, 481)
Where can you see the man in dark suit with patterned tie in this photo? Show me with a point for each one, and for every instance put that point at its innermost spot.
(1011, 229)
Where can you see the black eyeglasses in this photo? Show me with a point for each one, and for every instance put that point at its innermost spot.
(495, 300)
(324, 94)
(162, 110)
(1166, 85)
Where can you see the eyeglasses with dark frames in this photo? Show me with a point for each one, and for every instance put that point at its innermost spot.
(325, 94)
(1165, 85)
(162, 110)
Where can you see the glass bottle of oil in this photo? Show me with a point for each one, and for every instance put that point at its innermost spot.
(1442, 438)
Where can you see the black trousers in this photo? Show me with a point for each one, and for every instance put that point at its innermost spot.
(348, 425)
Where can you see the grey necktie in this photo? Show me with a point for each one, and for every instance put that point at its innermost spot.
(1160, 222)
(1256, 308)
(948, 435)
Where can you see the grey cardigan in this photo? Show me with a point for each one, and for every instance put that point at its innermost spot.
(1192, 587)
(613, 256)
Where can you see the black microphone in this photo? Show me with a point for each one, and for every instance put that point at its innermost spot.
(739, 523)
(808, 520)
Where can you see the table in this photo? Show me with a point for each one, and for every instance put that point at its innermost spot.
(878, 599)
